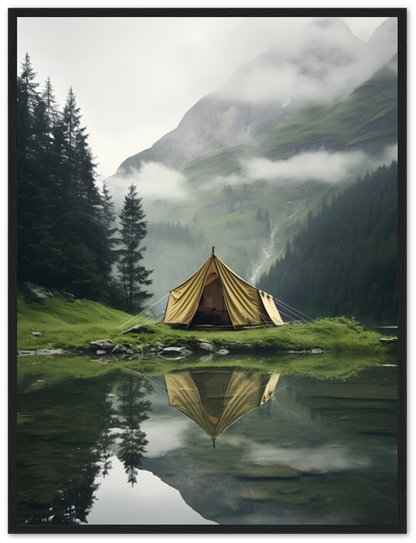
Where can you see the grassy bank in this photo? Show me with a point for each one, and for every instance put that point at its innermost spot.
(73, 325)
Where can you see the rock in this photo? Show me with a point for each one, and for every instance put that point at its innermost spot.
(119, 349)
(205, 358)
(388, 340)
(139, 329)
(170, 352)
(104, 344)
(39, 292)
(186, 352)
(223, 352)
(206, 346)
(36, 334)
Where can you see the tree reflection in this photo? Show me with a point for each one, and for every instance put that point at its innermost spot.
(132, 411)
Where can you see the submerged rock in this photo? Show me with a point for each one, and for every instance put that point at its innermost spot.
(175, 353)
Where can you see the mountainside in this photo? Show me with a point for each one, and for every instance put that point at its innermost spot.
(269, 88)
(295, 125)
(345, 257)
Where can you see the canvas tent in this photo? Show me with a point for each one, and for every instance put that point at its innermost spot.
(216, 398)
(216, 296)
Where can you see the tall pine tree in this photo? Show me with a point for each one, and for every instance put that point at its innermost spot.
(133, 230)
(63, 239)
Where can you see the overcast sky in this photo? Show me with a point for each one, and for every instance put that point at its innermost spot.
(135, 78)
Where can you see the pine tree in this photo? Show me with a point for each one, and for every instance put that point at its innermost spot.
(133, 231)
(38, 253)
(107, 217)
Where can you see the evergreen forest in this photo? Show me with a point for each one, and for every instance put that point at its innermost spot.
(66, 235)
(67, 238)
(344, 260)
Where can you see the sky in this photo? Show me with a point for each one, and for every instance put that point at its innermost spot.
(135, 78)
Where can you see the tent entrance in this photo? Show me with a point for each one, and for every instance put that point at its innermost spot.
(212, 310)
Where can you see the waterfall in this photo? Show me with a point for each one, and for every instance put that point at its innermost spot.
(267, 252)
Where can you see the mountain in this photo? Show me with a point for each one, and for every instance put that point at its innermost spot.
(271, 87)
(289, 129)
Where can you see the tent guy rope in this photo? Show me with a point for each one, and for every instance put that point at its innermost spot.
(144, 310)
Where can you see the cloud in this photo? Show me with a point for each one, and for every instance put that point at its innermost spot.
(322, 165)
(153, 181)
(319, 459)
(320, 60)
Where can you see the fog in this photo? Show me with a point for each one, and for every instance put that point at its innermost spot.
(322, 165)
(135, 77)
(153, 180)
(325, 166)
(320, 59)
(309, 59)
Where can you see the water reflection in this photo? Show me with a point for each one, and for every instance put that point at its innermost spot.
(216, 398)
(131, 412)
(293, 450)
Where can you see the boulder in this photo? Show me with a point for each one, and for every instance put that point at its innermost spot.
(36, 334)
(39, 292)
(104, 344)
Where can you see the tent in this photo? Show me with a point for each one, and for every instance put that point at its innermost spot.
(216, 296)
(216, 398)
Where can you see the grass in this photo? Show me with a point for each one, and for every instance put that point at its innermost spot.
(348, 347)
(73, 326)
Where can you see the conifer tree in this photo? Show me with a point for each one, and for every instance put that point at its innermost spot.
(132, 232)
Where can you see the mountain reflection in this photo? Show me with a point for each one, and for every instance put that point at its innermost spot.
(215, 398)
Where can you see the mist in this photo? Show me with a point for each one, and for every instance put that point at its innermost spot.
(322, 165)
(319, 60)
(325, 166)
(154, 181)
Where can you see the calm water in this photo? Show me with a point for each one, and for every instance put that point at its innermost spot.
(214, 446)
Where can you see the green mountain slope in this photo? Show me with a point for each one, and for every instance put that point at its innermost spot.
(345, 258)
(228, 214)
(365, 120)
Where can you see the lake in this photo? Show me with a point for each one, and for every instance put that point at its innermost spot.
(209, 446)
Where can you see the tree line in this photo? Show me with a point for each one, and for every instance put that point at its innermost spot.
(343, 261)
(66, 236)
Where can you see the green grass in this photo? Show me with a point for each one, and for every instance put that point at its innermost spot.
(66, 325)
(73, 326)
(348, 347)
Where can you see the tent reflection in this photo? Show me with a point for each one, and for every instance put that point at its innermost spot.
(216, 398)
